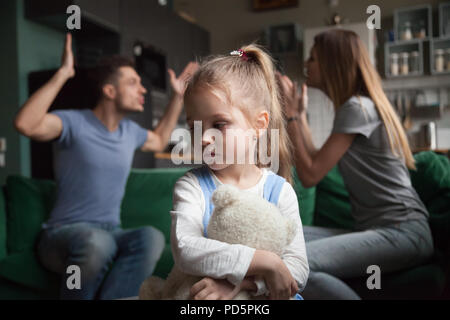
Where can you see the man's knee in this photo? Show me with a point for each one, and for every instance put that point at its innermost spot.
(93, 249)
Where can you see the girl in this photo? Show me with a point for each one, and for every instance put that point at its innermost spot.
(231, 93)
(371, 149)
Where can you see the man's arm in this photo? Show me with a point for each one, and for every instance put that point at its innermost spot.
(33, 119)
(158, 139)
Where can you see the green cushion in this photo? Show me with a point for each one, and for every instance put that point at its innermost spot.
(29, 202)
(23, 268)
(148, 198)
(432, 182)
(3, 250)
(432, 177)
(12, 291)
(332, 202)
(165, 263)
(306, 199)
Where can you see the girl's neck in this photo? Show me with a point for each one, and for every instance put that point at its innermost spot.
(240, 176)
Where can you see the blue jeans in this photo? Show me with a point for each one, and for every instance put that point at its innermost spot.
(336, 254)
(95, 247)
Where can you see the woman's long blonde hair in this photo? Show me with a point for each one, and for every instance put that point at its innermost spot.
(250, 83)
(346, 70)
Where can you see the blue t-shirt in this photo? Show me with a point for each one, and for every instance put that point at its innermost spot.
(91, 167)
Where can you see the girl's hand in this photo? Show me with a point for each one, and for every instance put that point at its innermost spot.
(67, 61)
(293, 102)
(279, 280)
(213, 289)
(179, 84)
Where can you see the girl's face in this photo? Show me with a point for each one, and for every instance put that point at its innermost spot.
(228, 121)
(312, 70)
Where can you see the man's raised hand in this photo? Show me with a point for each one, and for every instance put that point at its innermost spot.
(67, 61)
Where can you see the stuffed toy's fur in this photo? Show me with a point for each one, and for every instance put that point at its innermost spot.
(239, 217)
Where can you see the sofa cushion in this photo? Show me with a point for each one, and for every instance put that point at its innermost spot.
(165, 263)
(432, 182)
(333, 208)
(29, 202)
(432, 177)
(24, 268)
(306, 198)
(148, 198)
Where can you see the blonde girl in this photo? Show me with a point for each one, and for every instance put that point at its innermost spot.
(229, 94)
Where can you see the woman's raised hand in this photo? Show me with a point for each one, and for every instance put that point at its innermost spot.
(67, 61)
(179, 84)
(293, 102)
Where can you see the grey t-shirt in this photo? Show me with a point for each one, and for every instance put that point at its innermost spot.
(378, 182)
(92, 165)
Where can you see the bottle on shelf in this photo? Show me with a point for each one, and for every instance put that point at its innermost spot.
(414, 62)
(394, 64)
(439, 60)
(404, 69)
(447, 59)
(406, 33)
(420, 31)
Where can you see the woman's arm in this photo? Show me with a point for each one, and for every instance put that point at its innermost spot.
(312, 169)
(311, 166)
(306, 134)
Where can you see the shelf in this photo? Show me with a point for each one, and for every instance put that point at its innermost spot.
(418, 17)
(439, 43)
(444, 19)
(399, 48)
(418, 82)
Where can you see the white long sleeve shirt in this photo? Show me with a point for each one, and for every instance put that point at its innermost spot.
(196, 255)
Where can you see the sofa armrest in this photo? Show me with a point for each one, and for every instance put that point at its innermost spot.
(3, 251)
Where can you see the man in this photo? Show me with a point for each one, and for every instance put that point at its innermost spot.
(93, 156)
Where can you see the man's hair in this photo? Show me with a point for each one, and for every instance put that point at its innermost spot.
(107, 71)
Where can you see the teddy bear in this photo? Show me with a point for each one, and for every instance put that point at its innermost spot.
(239, 217)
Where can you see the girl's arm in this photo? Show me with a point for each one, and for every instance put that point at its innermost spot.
(294, 259)
(195, 254)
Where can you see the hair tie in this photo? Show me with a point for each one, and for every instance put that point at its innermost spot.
(241, 53)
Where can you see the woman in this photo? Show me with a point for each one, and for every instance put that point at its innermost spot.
(371, 149)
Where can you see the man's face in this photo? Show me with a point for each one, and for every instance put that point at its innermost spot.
(130, 92)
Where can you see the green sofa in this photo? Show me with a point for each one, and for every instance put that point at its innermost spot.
(25, 204)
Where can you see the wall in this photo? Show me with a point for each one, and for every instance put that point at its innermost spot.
(39, 48)
(8, 86)
(30, 47)
(232, 22)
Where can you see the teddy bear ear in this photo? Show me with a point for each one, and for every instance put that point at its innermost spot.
(224, 195)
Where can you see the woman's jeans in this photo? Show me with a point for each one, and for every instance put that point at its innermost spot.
(335, 254)
(95, 248)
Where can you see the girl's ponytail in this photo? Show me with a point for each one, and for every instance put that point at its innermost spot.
(257, 54)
